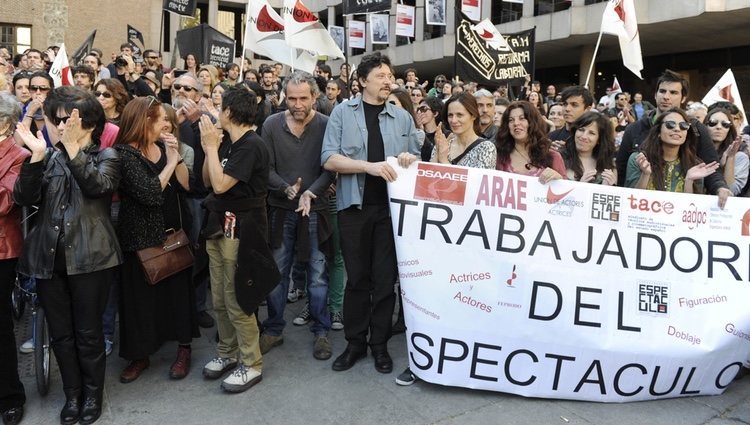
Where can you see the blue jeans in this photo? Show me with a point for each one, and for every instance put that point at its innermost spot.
(317, 278)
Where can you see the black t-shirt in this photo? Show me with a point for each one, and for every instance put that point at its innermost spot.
(376, 191)
(247, 161)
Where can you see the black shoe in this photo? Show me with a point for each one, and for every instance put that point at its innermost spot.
(347, 359)
(71, 412)
(92, 409)
(383, 362)
(205, 320)
(13, 415)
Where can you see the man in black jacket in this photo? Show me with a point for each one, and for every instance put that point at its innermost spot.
(671, 91)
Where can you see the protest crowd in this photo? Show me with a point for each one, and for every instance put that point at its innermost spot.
(278, 177)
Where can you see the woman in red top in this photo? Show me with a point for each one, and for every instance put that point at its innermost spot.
(12, 396)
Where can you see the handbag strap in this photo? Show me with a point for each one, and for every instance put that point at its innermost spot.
(467, 150)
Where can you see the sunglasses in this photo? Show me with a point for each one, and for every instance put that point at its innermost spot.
(178, 87)
(39, 88)
(106, 94)
(671, 125)
(725, 124)
(57, 120)
(152, 57)
(424, 109)
(151, 100)
(392, 102)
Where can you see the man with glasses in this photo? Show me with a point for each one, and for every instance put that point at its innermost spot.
(186, 93)
(151, 63)
(671, 92)
(361, 134)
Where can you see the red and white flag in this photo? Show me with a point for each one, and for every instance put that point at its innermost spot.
(725, 90)
(487, 31)
(60, 69)
(264, 35)
(304, 30)
(619, 19)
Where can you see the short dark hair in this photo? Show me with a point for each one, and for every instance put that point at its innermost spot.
(242, 105)
(408, 70)
(669, 76)
(21, 76)
(84, 69)
(619, 95)
(94, 55)
(588, 98)
(68, 98)
(325, 68)
(231, 65)
(126, 45)
(42, 74)
(370, 62)
(147, 51)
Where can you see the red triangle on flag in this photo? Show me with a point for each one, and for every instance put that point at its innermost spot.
(726, 93)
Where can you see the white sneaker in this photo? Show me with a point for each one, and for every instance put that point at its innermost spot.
(303, 317)
(241, 379)
(217, 366)
(292, 296)
(27, 347)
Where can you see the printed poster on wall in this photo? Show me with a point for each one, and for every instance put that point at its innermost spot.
(405, 20)
(435, 12)
(337, 34)
(569, 290)
(357, 34)
(472, 9)
(379, 28)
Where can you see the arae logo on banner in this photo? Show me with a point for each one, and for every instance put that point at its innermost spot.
(442, 184)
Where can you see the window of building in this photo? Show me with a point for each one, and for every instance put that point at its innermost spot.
(15, 38)
(543, 7)
(505, 11)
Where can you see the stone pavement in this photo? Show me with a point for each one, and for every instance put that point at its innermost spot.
(297, 389)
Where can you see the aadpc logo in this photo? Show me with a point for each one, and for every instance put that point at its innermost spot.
(441, 183)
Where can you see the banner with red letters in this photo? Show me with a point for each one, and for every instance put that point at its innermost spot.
(570, 290)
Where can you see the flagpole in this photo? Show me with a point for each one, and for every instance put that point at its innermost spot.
(593, 58)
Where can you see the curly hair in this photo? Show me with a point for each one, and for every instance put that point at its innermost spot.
(604, 150)
(653, 148)
(119, 93)
(538, 143)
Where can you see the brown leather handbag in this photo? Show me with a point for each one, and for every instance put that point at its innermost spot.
(167, 259)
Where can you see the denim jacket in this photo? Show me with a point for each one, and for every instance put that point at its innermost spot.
(346, 135)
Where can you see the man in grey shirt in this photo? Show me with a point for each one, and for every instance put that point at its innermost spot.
(298, 215)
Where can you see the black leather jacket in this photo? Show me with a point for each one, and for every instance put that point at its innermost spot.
(74, 196)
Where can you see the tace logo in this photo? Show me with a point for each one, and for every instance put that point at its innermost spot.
(440, 183)
(693, 217)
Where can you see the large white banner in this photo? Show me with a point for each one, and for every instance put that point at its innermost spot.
(570, 290)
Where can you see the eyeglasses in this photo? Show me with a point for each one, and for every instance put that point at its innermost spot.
(106, 94)
(39, 88)
(57, 120)
(671, 125)
(152, 57)
(424, 109)
(409, 87)
(725, 124)
(178, 87)
(440, 81)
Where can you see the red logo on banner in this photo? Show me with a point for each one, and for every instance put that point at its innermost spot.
(265, 23)
(513, 277)
(553, 198)
(474, 3)
(302, 13)
(440, 183)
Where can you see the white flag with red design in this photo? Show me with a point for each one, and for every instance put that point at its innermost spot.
(725, 90)
(264, 35)
(487, 31)
(60, 69)
(303, 30)
(619, 19)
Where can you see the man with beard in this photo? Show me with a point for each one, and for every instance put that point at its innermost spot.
(298, 209)
(486, 105)
(361, 134)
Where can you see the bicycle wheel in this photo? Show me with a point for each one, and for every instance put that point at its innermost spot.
(41, 352)
(18, 300)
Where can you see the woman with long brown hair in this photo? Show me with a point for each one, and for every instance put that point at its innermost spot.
(154, 180)
(523, 146)
(113, 97)
(590, 159)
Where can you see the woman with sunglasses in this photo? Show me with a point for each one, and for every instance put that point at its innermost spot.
(668, 161)
(113, 97)
(154, 181)
(40, 84)
(428, 117)
(734, 164)
(72, 251)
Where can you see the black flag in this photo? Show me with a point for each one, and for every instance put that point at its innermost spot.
(359, 6)
(180, 7)
(134, 34)
(83, 50)
(477, 60)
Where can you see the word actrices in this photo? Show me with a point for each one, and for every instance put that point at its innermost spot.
(509, 233)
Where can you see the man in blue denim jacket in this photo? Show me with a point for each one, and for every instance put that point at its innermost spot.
(361, 134)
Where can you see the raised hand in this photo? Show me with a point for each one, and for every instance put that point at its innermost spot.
(701, 170)
(210, 135)
(643, 163)
(36, 144)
